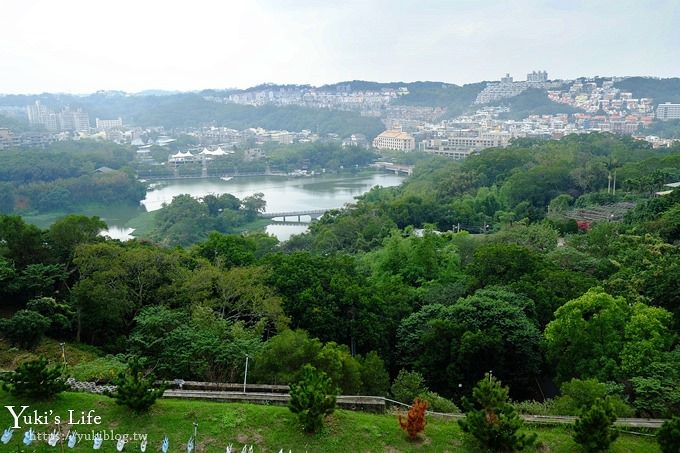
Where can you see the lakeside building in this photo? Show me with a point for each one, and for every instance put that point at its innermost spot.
(395, 139)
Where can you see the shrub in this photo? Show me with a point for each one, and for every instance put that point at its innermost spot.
(25, 329)
(407, 386)
(669, 436)
(438, 403)
(415, 419)
(135, 389)
(532, 407)
(35, 380)
(593, 429)
(312, 398)
(579, 395)
(491, 419)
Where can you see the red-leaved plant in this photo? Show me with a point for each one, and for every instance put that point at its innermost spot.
(415, 419)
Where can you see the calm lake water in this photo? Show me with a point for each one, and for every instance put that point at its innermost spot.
(282, 194)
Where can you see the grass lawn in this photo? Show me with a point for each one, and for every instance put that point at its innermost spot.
(118, 214)
(269, 428)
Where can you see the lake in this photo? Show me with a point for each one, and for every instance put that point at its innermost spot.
(282, 194)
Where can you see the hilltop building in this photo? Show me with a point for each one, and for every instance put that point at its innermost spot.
(537, 77)
(395, 139)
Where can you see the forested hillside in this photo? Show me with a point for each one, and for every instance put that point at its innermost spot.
(67, 175)
(661, 90)
(522, 290)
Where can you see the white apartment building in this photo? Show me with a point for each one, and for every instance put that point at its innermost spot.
(459, 146)
(395, 139)
(668, 111)
(108, 124)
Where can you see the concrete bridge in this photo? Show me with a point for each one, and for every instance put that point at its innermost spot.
(313, 214)
(396, 168)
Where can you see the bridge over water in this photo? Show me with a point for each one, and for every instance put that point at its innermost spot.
(313, 214)
(396, 168)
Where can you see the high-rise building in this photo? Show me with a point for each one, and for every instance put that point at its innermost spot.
(66, 120)
(537, 77)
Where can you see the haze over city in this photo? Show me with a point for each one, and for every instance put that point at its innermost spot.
(133, 46)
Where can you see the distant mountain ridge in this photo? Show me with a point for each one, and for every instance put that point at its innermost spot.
(173, 109)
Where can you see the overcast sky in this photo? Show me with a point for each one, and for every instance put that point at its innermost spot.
(81, 46)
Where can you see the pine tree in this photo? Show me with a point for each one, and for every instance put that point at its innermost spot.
(669, 436)
(593, 429)
(312, 398)
(134, 389)
(492, 420)
(35, 380)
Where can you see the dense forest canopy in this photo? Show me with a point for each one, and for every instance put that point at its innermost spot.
(467, 267)
(66, 175)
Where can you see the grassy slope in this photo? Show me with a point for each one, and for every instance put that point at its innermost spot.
(10, 358)
(112, 214)
(271, 428)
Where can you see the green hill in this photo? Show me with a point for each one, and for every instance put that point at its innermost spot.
(661, 90)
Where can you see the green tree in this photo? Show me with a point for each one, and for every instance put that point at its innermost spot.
(227, 251)
(579, 395)
(254, 205)
(593, 430)
(648, 337)
(669, 436)
(656, 392)
(500, 264)
(21, 243)
(407, 386)
(35, 379)
(587, 336)
(25, 329)
(67, 232)
(339, 365)
(489, 330)
(375, 379)
(135, 388)
(284, 355)
(60, 315)
(182, 222)
(328, 297)
(238, 294)
(312, 398)
(491, 419)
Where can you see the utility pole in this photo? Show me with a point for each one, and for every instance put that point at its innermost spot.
(245, 376)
